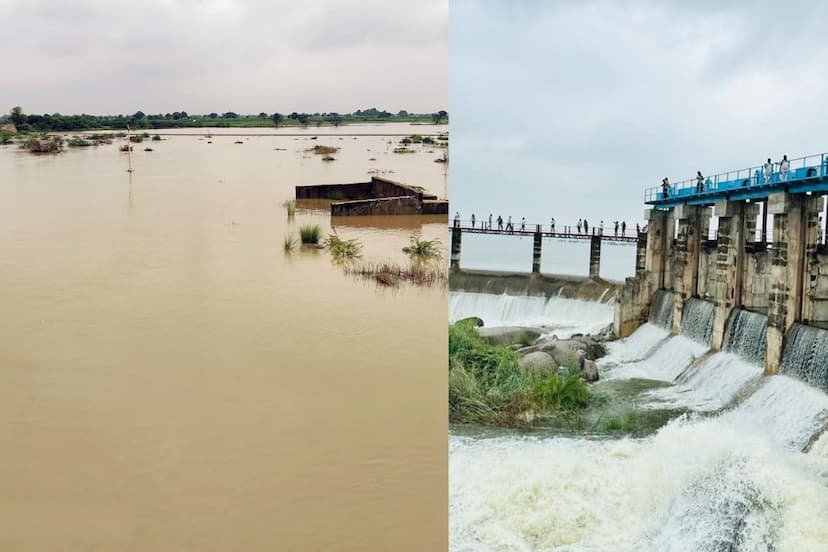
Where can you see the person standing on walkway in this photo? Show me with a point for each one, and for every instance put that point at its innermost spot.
(490, 221)
(623, 227)
(616, 228)
(784, 165)
(499, 222)
(472, 220)
(601, 229)
(579, 225)
(699, 182)
(457, 218)
(522, 224)
(665, 188)
(509, 227)
(586, 227)
(637, 229)
(768, 170)
(552, 224)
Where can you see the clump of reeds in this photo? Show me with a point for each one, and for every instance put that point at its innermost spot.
(290, 243)
(403, 149)
(391, 274)
(343, 249)
(426, 249)
(319, 149)
(329, 158)
(310, 233)
(290, 207)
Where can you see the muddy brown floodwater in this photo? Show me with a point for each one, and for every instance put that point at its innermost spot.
(171, 380)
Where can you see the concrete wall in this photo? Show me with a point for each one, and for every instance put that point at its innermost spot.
(357, 190)
(380, 206)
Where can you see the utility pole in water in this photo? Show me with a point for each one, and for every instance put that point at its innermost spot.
(129, 150)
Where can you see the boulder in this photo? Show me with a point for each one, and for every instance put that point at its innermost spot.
(538, 362)
(589, 372)
(509, 335)
(473, 320)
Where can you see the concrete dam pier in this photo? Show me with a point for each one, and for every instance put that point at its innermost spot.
(741, 266)
(377, 197)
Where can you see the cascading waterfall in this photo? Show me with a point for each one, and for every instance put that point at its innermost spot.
(637, 346)
(747, 335)
(697, 320)
(564, 316)
(737, 481)
(711, 386)
(806, 355)
(661, 311)
(664, 364)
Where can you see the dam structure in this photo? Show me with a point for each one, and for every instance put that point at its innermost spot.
(744, 246)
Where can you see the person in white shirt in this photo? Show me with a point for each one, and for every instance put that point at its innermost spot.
(784, 165)
(457, 218)
(552, 224)
(768, 169)
(490, 221)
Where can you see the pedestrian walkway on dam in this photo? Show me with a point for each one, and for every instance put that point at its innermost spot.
(802, 175)
(566, 232)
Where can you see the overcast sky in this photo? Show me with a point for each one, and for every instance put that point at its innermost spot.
(572, 108)
(107, 56)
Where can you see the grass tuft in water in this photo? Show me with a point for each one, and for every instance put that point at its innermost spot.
(391, 274)
(343, 249)
(290, 207)
(290, 243)
(423, 248)
(310, 233)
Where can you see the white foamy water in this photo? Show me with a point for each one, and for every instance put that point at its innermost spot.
(665, 364)
(711, 386)
(696, 486)
(788, 411)
(733, 482)
(637, 346)
(558, 315)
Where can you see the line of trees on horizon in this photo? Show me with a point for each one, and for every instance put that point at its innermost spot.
(176, 119)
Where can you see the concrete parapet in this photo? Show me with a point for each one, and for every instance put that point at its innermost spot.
(407, 205)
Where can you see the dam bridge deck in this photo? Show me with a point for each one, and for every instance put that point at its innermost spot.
(567, 232)
(802, 175)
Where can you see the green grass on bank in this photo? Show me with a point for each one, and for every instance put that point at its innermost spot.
(486, 385)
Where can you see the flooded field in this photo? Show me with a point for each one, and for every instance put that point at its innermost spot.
(171, 379)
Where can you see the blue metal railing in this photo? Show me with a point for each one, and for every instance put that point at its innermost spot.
(802, 169)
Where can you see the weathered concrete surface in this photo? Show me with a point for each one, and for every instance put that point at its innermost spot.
(434, 207)
(685, 258)
(356, 190)
(727, 270)
(547, 285)
(537, 248)
(406, 205)
(456, 246)
(633, 305)
(792, 238)
(363, 198)
(595, 257)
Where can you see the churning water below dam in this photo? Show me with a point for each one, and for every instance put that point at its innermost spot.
(742, 466)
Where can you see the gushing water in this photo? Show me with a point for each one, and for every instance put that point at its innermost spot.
(747, 335)
(711, 386)
(564, 316)
(665, 364)
(806, 355)
(737, 481)
(697, 320)
(661, 311)
(638, 346)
